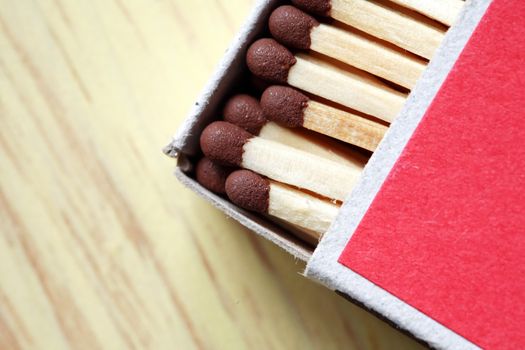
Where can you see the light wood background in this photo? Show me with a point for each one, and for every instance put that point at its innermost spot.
(100, 247)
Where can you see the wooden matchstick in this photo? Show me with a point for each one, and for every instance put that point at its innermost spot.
(444, 11)
(212, 175)
(305, 234)
(269, 60)
(246, 112)
(253, 192)
(294, 28)
(384, 23)
(293, 109)
(233, 146)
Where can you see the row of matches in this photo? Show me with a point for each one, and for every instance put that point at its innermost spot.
(348, 84)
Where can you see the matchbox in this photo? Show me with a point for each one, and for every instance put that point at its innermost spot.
(430, 238)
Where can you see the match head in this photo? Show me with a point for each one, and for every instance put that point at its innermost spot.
(316, 7)
(249, 190)
(212, 175)
(292, 27)
(223, 142)
(269, 60)
(284, 105)
(245, 111)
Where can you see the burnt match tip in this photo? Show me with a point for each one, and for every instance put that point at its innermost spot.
(245, 111)
(223, 142)
(291, 27)
(315, 7)
(269, 60)
(284, 105)
(248, 190)
(212, 175)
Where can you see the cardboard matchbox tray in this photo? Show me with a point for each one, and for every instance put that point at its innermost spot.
(432, 238)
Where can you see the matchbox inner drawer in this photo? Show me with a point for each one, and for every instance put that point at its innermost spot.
(233, 76)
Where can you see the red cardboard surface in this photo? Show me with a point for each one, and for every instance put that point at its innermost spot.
(446, 232)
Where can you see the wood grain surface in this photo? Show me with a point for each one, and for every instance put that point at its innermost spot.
(100, 247)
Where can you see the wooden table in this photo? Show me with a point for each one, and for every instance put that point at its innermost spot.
(100, 247)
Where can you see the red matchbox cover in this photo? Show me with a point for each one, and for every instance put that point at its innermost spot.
(446, 231)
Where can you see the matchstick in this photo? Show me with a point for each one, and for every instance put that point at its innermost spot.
(233, 146)
(269, 60)
(246, 112)
(293, 109)
(444, 11)
(212, 175)
(294, 28)
(384, 23)
(253, 192)
(305, 234)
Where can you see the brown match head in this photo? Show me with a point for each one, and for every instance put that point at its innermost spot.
(212, 175)
(249, 190)
(291, 27)
(223, 142)
(269, 60)
(315, 7)
(245, 111)
(284, 105)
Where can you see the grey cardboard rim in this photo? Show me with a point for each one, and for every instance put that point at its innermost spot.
(324, 266)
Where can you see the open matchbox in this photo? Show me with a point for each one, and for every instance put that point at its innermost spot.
(432, 238)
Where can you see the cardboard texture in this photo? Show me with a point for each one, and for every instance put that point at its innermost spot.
(453, 205)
